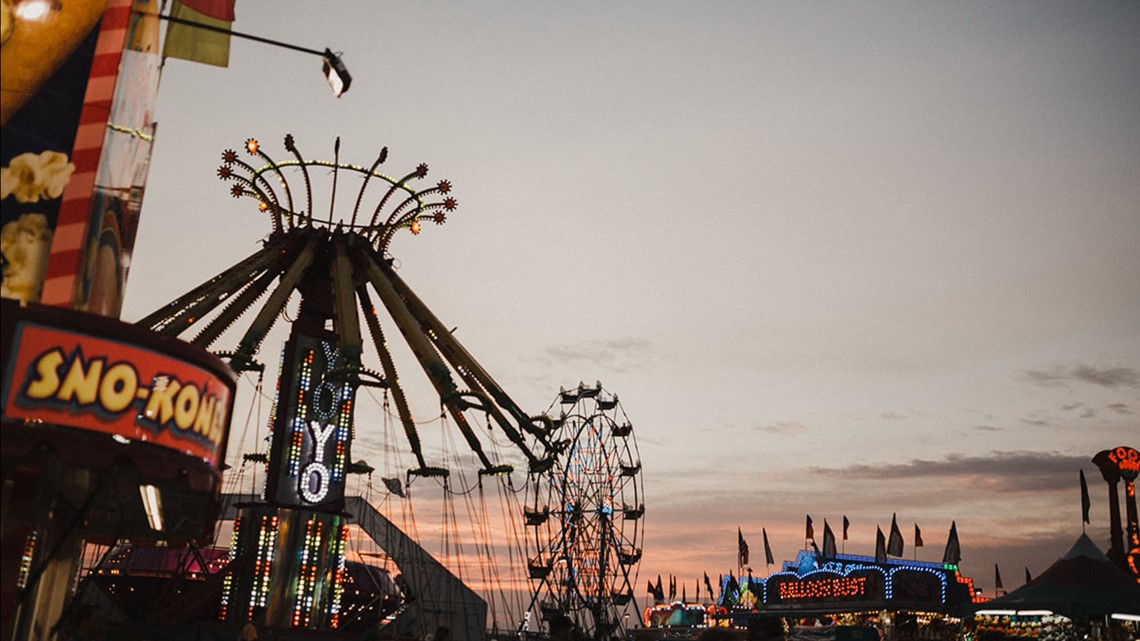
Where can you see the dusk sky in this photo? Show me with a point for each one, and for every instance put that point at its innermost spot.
(834, 258)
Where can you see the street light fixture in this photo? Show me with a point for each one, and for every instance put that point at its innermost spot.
(335, 72)
(333, 67)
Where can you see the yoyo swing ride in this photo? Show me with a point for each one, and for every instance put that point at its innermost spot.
(287, 551)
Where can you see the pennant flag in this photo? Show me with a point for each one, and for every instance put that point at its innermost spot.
(880, 546)
(829, 550)
(809, 531)
(997, 579)
(741, 549)
(188, 42)
(846, 524)
(1085, 503)
(895, 543)
(731, 591)
(653, 592)
(767, 549)
(708, 587)
(917, 536)
(1028, 576)
(659, 591)
(684, 597)
(394, 486)
(672, 587)
(953, 552)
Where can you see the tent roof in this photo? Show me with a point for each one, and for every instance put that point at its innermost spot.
(1082, 583)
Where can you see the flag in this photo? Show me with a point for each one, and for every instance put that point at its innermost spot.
(846, 524)
(997, 579)
(653, 593)
(767, 548)
(1085, 503)
(708, 587)
(809, 531)
(829, 550)
(187, 42)
(1028, 576)
(731, 591)
(917, 536)
(953, 553)
(672, 587)
(684, 597)
(895, 543)
(741, 549)
(880, 546)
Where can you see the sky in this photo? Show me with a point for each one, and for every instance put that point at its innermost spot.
(854, 259)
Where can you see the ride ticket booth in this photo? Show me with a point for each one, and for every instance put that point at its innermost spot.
(109, 432)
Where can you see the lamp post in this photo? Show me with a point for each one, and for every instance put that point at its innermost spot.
(333, 67)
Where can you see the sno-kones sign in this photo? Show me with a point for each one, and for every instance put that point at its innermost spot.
(96, 374)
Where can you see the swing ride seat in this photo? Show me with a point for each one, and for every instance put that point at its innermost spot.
(497, 470)
(536, 517)
(429, 470)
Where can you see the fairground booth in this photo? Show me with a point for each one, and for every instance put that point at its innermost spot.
(110, 432)
(843, 595)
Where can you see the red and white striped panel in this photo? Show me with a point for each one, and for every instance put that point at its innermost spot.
(75, 209)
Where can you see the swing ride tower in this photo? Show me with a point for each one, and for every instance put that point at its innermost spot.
(288, 550)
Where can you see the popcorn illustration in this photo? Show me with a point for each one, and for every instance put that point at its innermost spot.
(33, 177)
(26, 244)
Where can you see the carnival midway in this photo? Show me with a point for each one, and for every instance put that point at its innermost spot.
(126, 517)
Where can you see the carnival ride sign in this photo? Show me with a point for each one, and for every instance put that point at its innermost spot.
(314, 425)
(77, 380)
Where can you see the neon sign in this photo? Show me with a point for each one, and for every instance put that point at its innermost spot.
(71, 378)
(1127, 461)
(313, 425)
(824, 589)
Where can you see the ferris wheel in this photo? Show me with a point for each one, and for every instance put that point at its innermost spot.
(584, 517)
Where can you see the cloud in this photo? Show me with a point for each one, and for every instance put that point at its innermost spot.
(892, 416)
(1009, 471)
(988, 428)
(1110, 377)
(617, 353)
(1120, 408)
(783, 428)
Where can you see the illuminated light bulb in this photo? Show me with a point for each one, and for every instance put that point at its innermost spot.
(416, 227)
(36, 9)
(251, 146)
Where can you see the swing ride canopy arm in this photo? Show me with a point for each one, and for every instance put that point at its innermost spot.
(174, 317)
(473, 373)
(437, 372)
